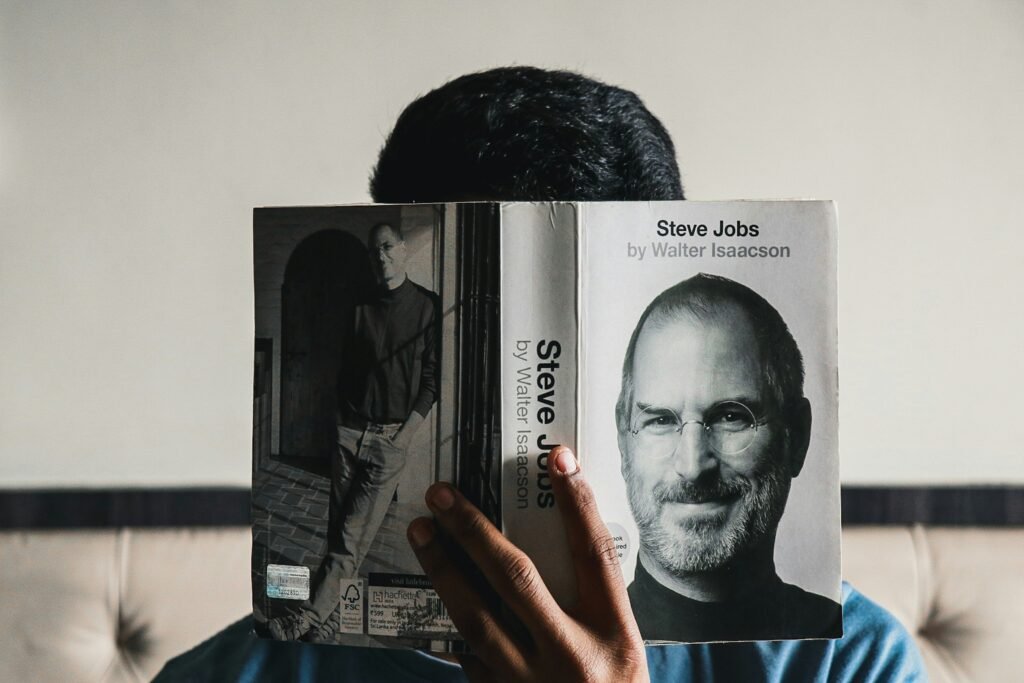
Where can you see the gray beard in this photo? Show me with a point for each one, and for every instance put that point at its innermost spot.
(702, 545)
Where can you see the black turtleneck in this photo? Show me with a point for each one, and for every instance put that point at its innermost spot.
(778, 611)
(389, 363)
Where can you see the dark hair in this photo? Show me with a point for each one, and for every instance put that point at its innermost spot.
(704, 296)
(522, 134)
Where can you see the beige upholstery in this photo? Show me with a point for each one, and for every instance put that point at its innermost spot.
(959, 591)
(113, 606)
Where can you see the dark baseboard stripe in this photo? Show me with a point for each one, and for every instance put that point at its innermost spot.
(199, 507)
(106, 508)
(934, 505)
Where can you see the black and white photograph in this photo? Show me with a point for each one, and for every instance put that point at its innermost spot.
(364, 343)
(724, 415)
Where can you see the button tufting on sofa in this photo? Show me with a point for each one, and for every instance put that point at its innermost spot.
(115, 605)
(959, 591)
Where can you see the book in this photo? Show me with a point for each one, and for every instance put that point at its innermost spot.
(686, 351)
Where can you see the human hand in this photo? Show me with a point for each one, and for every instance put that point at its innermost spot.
(595, 640)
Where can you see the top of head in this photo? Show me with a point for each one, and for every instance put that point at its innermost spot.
(526, 134)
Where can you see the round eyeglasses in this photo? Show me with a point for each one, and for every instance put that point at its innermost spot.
(730, 427)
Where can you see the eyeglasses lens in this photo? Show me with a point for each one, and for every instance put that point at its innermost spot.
(729, 427)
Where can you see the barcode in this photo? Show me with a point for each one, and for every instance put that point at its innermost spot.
(436, 608)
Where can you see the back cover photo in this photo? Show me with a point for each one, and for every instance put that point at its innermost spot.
(372, 363)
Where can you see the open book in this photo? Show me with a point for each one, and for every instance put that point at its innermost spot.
(687, 351)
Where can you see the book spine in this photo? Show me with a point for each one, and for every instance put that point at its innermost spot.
(539, 330)
(477, 459)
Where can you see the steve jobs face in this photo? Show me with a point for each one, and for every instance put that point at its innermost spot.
(704, 454)
(388, 255)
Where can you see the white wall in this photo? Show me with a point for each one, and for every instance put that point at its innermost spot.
(136, 137)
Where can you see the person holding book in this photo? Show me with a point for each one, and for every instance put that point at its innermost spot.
(712, 427)
(521, 133)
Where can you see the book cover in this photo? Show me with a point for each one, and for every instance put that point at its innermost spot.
(375, 375)
(686, 350)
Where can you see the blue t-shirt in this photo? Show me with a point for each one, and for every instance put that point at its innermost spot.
(875, 647)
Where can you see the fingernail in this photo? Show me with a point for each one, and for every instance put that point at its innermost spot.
(565, 461)
(421, 532)
(442, 497)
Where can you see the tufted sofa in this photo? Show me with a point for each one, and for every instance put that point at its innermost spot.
(114, 605)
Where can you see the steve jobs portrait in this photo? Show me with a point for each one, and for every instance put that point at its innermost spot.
(712, 427)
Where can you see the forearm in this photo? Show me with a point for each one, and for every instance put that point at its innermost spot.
(428, 384)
